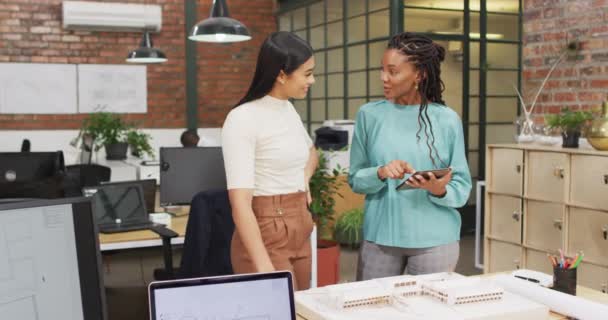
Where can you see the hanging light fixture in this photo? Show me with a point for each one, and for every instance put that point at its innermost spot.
(219, 27)
(146, 53)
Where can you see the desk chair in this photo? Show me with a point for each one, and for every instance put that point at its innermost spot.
(84, 175)
(206, 250)
(48, 188)
(26, 145)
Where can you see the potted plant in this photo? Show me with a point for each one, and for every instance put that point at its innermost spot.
(349, 228)
(139, 142)
(323, 189)
(570, 124)
(108, 130)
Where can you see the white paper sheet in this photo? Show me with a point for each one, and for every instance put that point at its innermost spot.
(556, 301)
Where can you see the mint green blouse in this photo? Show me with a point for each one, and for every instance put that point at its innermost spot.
(385, 131)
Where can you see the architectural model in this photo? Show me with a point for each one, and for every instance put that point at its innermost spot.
(468, 290)
(446, 288)
(435, 296)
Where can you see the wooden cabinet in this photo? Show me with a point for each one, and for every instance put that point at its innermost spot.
(506, 256)
(506, 222)
(593, 276)
(588, 232)
(546, 175)
(507, 172)
(540, 199)
(590, 183)
(537, 260)
(543, 225)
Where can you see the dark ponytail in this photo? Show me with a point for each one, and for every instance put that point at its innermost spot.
(280, 51)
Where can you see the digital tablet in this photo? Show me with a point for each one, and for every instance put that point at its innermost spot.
(438, 174)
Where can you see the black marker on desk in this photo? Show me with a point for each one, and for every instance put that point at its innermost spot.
(529, 279)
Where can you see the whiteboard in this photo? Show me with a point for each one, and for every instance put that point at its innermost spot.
(27, 88)
(112, 88)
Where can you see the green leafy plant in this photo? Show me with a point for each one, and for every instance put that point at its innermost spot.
(104, 128)
(139, 143)
(349, 227)
(324, 185)
(568, 120)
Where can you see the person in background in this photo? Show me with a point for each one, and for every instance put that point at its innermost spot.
(189, 138)
(413, 231)
(269, 159)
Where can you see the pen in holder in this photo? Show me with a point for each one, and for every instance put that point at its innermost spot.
(564, 280)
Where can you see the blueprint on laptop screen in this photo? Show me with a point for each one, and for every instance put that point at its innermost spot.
(39, 277)
(246, 300)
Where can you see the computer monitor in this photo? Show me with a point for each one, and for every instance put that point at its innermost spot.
(184, 172)
(148, 186)
(245, 296)
(50, 261)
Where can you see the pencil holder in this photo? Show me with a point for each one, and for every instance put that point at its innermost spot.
(564, 280)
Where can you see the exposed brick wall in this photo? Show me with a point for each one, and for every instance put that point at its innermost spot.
(548, 27)
(31, 31)
(225, 70)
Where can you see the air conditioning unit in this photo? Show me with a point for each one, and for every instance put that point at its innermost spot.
(100, 16)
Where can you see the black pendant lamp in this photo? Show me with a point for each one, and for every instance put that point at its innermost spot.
(146, 53)
(219, 27)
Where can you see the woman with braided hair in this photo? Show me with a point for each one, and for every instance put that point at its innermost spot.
(414, 231)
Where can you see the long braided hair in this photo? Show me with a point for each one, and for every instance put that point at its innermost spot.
(426, 56)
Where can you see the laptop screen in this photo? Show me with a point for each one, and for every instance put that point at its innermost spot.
(149, 187)
(114, 203)
(266, 296)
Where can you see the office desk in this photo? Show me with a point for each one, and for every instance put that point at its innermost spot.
(582, 292)
(143, 238)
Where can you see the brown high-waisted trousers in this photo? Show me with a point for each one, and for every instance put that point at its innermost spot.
(285, 224)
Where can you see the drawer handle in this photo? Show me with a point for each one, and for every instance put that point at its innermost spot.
(606, 179)
(518, 168)
(558, 172)
(605, 232)
(557, 223)
(516, 215)
(516, 262)
(605, 287)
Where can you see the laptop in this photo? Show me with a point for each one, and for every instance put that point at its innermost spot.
(267, 296)
(119, 207)
(149, 187)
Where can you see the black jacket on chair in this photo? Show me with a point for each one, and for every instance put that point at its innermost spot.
(208, 234)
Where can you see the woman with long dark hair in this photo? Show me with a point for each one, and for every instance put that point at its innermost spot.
(269, 159)
(413, 231)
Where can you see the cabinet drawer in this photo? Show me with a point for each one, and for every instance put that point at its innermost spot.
(592, 276)
(537, 260)
(504, 256)
(505, 217)
(588, 232)
(547, 175)
(506, 171)
(543, 224)
(590, 181)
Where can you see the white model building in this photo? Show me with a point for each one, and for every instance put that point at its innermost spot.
(468, 290)
(358, 294)
(448, 289)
